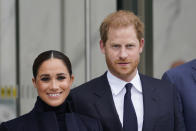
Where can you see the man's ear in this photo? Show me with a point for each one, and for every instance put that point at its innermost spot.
(102, 46)
(141, 45)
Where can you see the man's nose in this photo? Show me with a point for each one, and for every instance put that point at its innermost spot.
(123, 53)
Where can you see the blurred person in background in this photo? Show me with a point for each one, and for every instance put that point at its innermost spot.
(183, 77)
(177, 63)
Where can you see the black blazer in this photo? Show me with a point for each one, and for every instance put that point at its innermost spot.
(161, 109)
(37, 120)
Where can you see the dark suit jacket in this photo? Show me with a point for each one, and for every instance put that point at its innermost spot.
(37, 120)
(183, 77)
(161, 111)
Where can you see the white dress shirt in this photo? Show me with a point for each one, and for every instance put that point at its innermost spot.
(118, 91)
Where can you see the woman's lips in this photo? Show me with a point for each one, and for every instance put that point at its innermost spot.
(54, 94)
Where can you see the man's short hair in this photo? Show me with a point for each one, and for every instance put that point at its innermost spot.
(121, 18)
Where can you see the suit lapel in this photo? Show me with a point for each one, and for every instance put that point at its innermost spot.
(105, 104)
(194, 70)
(150, 103)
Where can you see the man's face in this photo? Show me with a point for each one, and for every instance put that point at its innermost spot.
(122, 52)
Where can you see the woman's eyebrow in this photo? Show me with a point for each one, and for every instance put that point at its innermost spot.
(44, 75)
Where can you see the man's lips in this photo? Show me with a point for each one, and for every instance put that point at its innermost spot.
(123, 63)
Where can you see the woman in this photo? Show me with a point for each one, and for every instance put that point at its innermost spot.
(52, 77)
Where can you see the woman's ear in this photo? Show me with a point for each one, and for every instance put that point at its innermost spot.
(34, 82)
(71, 79)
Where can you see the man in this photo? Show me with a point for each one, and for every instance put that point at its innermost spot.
(183, 77)
(152, 105)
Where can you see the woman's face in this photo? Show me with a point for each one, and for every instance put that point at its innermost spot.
(53, 82)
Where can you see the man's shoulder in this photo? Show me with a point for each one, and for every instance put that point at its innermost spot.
(150, 79)
(155, 82)
(88, 85)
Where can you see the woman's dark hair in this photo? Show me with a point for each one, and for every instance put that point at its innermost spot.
(50, 54)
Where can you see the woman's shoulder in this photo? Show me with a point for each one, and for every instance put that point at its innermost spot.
(16, 123)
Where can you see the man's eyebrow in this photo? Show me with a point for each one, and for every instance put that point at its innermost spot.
(59, 74)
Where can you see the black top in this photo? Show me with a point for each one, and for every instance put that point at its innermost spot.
(59, 111)
(46, 118)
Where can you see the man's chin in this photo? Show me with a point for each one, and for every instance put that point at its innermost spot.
(125, 74)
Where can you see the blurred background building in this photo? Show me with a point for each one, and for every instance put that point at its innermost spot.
(28, 27)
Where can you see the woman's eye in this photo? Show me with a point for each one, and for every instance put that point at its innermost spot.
(45, 79)
(61, 77)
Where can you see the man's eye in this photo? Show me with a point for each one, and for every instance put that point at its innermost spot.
(45, 79)
(129, 46)
(115, 46)
(61, 77)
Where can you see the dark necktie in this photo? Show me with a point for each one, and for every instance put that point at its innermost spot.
(129, 116)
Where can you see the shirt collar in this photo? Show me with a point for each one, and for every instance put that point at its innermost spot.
(117, 84)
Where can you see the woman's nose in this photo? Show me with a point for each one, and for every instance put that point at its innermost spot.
(54, 85)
